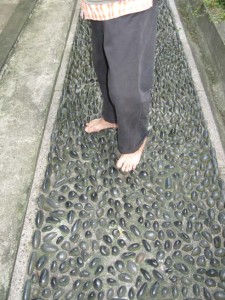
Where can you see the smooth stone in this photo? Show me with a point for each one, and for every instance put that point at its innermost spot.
(115, 250)
(221, 217)
(217, 241)
(111, 281)
(119, 265)
(131, 293)
(104, 251)
(49, 248)
(154, 289)
(87, 285)
(101, 295)
(146, 245)
(46, 293)
(210, 282)
(99, 270)
(131, 267)
(44, 278)
(181, 268)
(39, 219)
(146, 274)
(124, 277)
(84, 273)
(175, 291)
(121, 291)
(201, 261)
(206, 294)
(74, 272)
(47, 228)
(75, 251)
(27, 290)
(196, 251)
(49, 237)
(219, 252)
(160, 255)
(134, 247)
(62, 255)
(97, 283)
(64, 280)
(222, 275)
(95, 262)
(157, 275)
(184, 291)
(196, 289)
(77, 284)
(142, 291)
(36, 240)
(208, 253)
(76, 226)
(54, 266)
(64, 266)
(165, 292)
(150, 235)
(152, 262)
(70, 295)
(32, 263)
(140, 258)
(219, 295)
(214, 262)
(177, 244)
(189, 259)
(212, 273)
(186, 280)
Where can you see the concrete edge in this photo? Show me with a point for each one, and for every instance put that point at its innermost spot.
(12, 30)
(24, 249)
(207, 112)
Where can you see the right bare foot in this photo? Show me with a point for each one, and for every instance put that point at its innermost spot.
(98, 125)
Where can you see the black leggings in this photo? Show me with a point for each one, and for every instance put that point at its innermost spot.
(123, 55)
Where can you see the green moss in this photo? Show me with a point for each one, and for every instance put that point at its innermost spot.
(216, 9)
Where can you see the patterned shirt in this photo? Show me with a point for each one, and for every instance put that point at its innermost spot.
(107, 11)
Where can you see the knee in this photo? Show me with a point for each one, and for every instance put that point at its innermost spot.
(121, 91)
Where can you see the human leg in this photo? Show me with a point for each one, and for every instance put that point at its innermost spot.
(108, 119)
(129, 45)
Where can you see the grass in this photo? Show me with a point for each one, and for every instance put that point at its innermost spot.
(216, 8)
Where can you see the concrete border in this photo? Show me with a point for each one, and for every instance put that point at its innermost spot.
(24, 249)
(13, 28)
(206, 109)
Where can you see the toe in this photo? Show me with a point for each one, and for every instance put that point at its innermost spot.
(129, 168)
(120, 163)
(125, 167)
(134, 166)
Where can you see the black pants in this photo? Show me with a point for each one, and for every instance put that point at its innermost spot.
(123, 55)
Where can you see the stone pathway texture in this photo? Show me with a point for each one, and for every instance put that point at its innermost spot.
(155, 233)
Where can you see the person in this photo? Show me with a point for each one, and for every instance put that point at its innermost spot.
(123, 43)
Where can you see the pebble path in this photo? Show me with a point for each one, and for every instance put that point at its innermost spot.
(155, 233)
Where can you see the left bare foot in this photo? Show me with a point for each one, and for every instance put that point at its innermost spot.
(128, 162)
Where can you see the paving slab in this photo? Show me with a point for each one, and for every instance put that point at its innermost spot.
(26, 85)
(14, 15)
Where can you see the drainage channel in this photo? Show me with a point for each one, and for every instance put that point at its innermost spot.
(157, 232)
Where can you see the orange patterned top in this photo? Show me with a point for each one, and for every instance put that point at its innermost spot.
(111, 10)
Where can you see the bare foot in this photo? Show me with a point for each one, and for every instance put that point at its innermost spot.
(98, 125)
(128, 162)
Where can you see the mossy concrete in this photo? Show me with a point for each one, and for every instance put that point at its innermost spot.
(207, 41)
(27, 80)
